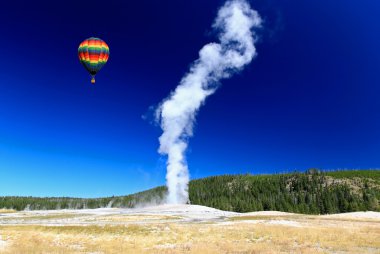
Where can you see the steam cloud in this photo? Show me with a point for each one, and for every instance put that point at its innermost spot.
(216, 61)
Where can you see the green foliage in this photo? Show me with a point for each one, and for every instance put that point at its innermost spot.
(313, 192)
(153, 196)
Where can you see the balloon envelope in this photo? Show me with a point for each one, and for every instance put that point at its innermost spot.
(93, 54)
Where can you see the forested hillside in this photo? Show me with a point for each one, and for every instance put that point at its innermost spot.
(313, 192)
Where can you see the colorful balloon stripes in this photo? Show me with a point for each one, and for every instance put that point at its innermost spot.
(93, 54)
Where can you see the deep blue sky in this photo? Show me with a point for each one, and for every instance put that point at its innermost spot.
(310, 98)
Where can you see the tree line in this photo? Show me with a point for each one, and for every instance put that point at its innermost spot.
(311, 192)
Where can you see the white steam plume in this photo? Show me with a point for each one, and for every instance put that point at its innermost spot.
(216, 61)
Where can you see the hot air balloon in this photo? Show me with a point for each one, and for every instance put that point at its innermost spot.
(93, 54)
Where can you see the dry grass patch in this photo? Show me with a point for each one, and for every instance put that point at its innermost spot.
(317, 236)
(72, 239)
(7, 211)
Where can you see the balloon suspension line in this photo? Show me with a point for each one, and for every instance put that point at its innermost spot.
(92, 79)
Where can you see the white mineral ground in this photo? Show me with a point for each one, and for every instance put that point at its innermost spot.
(167, 213)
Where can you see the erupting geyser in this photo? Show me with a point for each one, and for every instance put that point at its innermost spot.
(216, 61)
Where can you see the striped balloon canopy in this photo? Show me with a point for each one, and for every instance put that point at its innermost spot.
(93, 54)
